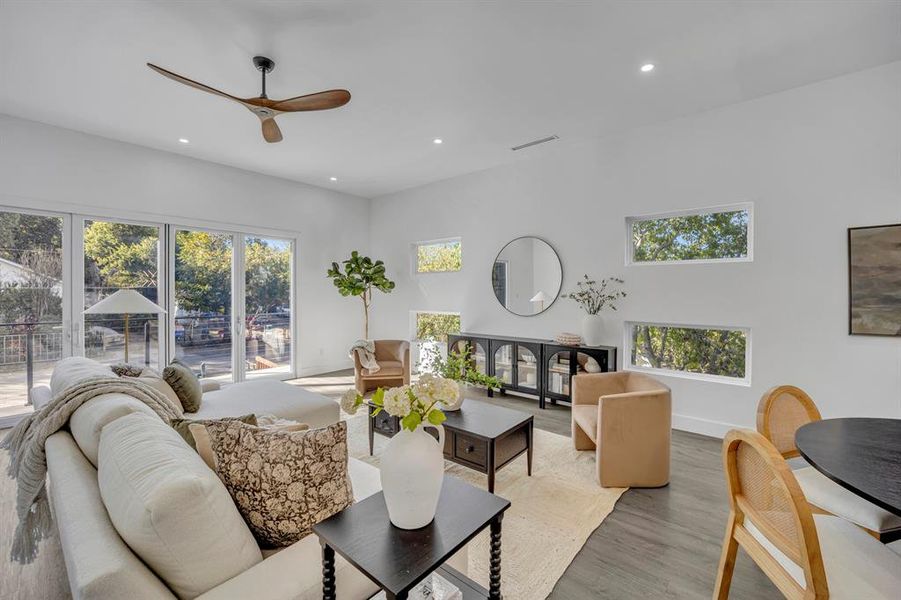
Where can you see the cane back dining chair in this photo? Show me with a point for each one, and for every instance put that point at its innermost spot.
(781, 412)
(806, 556)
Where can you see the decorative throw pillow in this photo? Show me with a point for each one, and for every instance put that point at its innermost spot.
(182, 426)
(205, 448)
(283, 482)
(186, 385)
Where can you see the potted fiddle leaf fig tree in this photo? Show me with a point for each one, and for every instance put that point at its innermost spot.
(358, 277)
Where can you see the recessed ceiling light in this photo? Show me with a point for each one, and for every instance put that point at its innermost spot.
(333, 178)
(184, 141)
(647, 68)
(437, 141)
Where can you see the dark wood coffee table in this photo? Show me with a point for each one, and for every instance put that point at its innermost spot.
(480, 435)
(397, 560)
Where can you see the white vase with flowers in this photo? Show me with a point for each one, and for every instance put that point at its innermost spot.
(412, 465)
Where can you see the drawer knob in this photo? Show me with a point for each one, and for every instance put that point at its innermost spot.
(470, 448)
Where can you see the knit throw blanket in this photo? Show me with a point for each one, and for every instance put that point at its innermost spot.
(28, 462)
(365, 351)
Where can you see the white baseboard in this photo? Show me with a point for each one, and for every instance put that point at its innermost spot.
(325, 368)
(706, 427)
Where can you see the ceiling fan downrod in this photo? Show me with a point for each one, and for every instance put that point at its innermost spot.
(264, 65)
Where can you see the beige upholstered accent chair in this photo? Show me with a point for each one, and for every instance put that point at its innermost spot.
(626, 419)
(393, 357)
(781, 412)
(807, 556)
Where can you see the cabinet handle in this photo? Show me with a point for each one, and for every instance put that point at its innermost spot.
(470, 449)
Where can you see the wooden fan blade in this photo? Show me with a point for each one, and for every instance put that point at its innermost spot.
(192, 83)
(271, 132)
(318, 101)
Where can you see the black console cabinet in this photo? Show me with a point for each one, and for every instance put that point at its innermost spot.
(542, 368)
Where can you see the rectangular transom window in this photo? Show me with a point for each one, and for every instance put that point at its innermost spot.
(721, 234)
(439, 256)
(710, 352)
(434, 326)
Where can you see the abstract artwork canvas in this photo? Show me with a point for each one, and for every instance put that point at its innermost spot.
(874, 275)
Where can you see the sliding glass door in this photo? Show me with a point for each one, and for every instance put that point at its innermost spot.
(34, 316)
(267, 306)
(203, 297)
(228, 297)
(119, 255)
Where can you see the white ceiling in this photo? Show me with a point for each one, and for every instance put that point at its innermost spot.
(483, 76)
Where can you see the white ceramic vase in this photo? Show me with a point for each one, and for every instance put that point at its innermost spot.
(412, 470)
(592, 330)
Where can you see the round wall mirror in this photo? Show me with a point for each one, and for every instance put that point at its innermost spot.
(527, 276)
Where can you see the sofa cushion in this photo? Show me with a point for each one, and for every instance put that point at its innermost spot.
(185, 384)
(294, 573)
(170, 508)
(92, 416)
(366, 479)
(154, 380)
(306, 583)
(833, 498)
(74, 369)
(99, 565)
(269, 397)
(387, 368)
(283, 482)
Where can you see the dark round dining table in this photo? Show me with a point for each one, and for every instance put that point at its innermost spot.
(860, 454)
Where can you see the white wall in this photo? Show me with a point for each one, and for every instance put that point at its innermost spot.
(48, 167)
(814, 160)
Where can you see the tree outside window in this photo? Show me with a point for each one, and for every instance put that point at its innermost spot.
(439, 257)
(719, 352)
(704, 236)
(436, 326)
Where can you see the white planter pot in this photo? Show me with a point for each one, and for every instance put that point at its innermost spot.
(412, 470)
(592, 330)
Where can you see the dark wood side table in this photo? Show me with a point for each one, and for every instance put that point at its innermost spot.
(481, 436)
(397, 560)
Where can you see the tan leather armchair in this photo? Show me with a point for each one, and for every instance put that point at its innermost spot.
(393, 357)
(626, 418)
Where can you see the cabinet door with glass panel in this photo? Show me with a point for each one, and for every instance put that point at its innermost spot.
(562, 363)
(516, 365)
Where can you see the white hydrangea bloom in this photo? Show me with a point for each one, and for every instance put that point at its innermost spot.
(447, 391)
(424, 389)
(349, 402)
(397, 401)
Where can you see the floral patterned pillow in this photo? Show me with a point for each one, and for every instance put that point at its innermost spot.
(283, 482)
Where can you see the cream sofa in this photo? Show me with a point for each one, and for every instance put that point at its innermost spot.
(99, 563)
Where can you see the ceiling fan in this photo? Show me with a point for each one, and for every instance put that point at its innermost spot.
(262, 106)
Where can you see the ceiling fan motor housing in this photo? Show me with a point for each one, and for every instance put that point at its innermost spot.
(263, 63)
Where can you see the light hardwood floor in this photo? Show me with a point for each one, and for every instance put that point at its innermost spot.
(657, 543)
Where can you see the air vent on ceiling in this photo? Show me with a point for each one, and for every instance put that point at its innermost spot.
(535, 142)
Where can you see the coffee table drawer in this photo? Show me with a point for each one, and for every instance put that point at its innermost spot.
(470, 449)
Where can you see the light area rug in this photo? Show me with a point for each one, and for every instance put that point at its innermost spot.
(551, 515)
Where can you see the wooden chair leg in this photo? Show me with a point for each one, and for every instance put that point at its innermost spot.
(727, 561)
